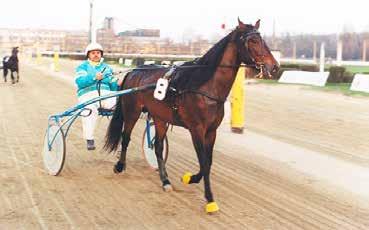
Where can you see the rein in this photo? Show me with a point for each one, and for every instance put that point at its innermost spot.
(194, 66)
(98, 88)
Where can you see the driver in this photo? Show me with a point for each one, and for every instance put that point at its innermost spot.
(88, 73)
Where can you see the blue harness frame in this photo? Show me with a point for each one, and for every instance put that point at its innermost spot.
(74, 112)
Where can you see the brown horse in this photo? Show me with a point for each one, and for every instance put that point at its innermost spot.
(197, 104)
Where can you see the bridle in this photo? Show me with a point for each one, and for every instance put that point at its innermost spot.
(244, 40)
(251, 62)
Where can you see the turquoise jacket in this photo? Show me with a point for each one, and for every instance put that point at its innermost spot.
(85, 78)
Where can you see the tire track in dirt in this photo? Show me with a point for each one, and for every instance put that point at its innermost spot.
(35, 210)
(232, 166)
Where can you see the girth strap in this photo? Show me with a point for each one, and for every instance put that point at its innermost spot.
(219, 100)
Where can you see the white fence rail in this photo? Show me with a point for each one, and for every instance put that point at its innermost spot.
(304, 77)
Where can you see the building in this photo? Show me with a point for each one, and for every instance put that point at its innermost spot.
(140, 41)
(75, 41)
(140, 33)
(30, 38)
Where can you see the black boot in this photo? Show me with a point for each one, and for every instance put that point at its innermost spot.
(91, 145)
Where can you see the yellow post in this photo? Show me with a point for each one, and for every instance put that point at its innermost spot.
(38, 56)
(56, 61)
(237, 102)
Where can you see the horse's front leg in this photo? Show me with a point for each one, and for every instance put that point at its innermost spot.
(203, 143)
(5, 72)
(209, 145)
(160, 132)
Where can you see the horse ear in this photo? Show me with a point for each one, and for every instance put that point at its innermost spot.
(257, 24)
(240, 23)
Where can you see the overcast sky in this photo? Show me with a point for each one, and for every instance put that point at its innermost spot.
(177, 18)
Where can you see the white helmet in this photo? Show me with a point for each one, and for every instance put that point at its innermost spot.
(93, 46)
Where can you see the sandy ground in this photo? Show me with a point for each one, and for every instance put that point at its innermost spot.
(290, 170)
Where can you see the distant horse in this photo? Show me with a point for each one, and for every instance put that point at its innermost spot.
(197, 104)
(11, 63)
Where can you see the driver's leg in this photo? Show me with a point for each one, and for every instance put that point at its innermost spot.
(89, 122)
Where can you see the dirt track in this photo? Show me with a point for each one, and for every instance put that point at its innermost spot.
(253, 192)
(325, 122)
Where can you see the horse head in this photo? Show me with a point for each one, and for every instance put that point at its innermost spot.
(15, 51)
(253, 50)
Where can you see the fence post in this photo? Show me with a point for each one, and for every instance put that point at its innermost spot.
(364, 50)
(322, 58)
(339, 53)
(237, 102)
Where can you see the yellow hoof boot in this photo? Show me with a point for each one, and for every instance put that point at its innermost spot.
(212, 207)
(186, 178)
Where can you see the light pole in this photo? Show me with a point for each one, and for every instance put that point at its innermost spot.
(91, 34)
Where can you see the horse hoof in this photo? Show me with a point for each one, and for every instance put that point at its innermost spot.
(186, 178)
(167, 188)
(212, 207)
(119, 167)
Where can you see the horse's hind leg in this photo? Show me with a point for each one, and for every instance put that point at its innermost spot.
(12, 76)
(160, 132)
(130, 120)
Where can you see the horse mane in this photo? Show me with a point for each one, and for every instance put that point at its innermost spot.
(193, 78)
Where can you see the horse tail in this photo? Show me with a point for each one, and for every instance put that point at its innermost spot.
(114, 133)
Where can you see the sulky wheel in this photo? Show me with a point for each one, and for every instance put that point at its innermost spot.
(54, 156)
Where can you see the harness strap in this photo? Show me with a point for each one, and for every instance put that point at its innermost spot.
(174, 105)
(219, 100)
